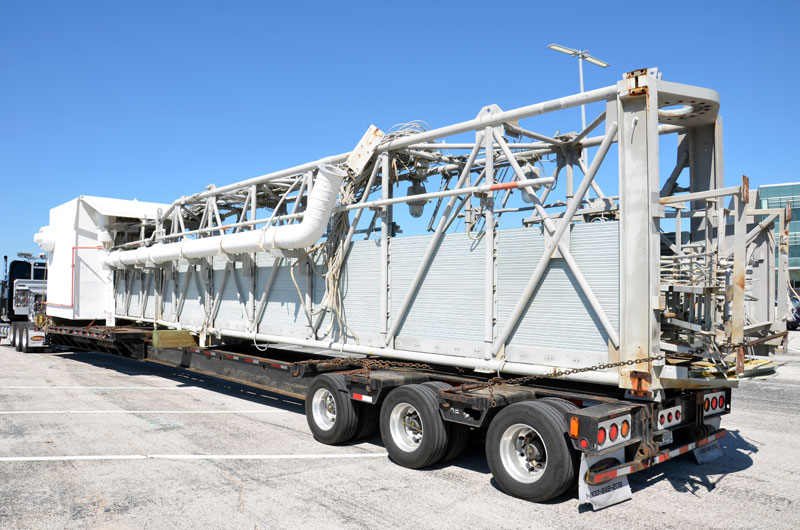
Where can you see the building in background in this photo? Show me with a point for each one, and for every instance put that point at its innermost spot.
(776, 196)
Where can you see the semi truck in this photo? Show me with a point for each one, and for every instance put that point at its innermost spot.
(560, 295)
(21, 295)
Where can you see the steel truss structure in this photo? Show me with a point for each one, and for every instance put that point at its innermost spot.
(587, 277)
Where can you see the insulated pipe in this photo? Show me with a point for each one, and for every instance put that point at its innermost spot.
(321, 202)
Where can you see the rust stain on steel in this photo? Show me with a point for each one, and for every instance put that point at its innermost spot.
(738, 280)
(745, 189)
(640, 382)
(636, 73)
(739, 361)
(637, 90)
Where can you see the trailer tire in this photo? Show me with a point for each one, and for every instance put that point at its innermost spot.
(412, 428)
(367, 420)
(566, 408)
(330, 413)
(563, 407)
(536, 429)
(457, 433)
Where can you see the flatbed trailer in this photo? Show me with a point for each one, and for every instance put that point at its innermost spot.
(635, 435)
(597, 332)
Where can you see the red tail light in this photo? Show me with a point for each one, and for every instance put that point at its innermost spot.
(601, 436)
(722, 402)
(661, 419)
(678, 415)
(613, 431)
(669, 417)
(714, 403)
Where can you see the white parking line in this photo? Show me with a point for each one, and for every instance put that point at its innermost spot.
(189, 457)
(7, 412)
(101, 388)
(96, 372)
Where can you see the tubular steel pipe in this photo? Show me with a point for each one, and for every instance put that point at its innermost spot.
(599, 94)
(572, 264)
(561, 227)
(433, 246)
(592, 96)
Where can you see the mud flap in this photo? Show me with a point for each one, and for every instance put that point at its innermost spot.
(611, 492)
(709, 452)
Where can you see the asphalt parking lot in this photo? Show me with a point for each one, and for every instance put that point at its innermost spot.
(89, 440)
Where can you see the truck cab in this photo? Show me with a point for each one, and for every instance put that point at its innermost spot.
(21, 292)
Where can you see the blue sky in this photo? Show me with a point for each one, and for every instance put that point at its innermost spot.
(157, 99)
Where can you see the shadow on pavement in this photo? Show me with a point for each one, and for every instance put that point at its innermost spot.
(685, 475)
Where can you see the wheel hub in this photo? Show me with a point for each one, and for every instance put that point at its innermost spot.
(523, 453)
(405, 424)
(413, 427)
(324, 409)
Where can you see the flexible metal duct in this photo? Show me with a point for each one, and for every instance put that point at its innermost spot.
(321, 202)
(45, 238)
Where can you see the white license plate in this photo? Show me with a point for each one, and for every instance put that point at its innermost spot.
(666, 438)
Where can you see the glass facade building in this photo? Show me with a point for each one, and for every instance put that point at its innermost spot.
(776, 196)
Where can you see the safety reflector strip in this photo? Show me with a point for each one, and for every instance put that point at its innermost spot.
(362, 397)
(626, 469)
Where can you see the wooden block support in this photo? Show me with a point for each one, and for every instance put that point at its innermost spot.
(173, 338)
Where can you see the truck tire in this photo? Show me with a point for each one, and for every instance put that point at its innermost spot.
(412, 428)
(330, 413)
(24, 339)
(527, 453)
(457, 433)
(14, 335)
(20, 330)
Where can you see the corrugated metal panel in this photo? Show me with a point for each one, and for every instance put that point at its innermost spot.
(360, 288)
(230, 314)
(169, 297)
(449, 304)
(119, 293)
(135, 307)
(283, 313)
(150, 297)
(193, 312)
(559, 326)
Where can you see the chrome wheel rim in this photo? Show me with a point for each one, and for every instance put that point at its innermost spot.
(523, 453)
(406, 427)
(323, 407)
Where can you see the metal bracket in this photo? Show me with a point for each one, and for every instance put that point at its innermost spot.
(641, 382)
(361, 156)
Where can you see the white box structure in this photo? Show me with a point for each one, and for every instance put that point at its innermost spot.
(80, 232)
